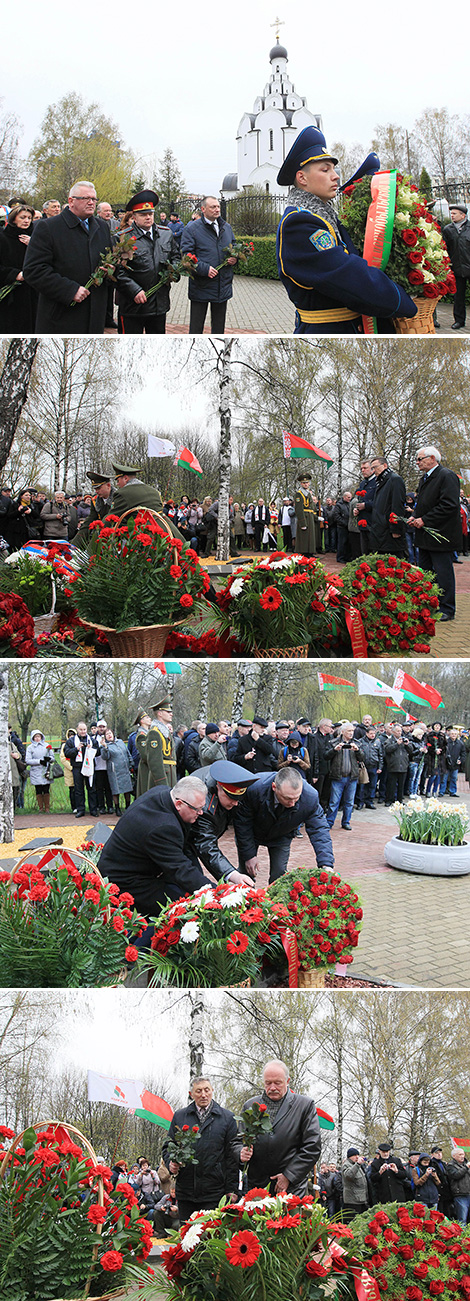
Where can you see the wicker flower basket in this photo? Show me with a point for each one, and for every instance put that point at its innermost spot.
(44, 1124)
(314, 978)
(136, 643)
(422, 323)
(47, 622)
(282, 653)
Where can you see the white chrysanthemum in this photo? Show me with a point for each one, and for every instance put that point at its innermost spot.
(235, 898)
(237, 587)
(192, 1237)
(189, 932)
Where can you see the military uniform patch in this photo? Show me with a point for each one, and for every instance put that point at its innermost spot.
(322, 240)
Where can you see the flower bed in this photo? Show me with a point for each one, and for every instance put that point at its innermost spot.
(260, 1249)
(398, 603)
(214, 937)
(61, 1221)
(414, 1253)
(418, 256)
(69, 928)
(325, 915)
(430, 822)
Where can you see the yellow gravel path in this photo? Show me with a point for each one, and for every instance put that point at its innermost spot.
(72, 837)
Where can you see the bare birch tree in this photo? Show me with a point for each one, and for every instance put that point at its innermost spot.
(7, 829)
(14, 384)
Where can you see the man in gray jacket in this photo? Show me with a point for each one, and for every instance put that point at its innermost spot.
(283, 1158)
(355, 1187)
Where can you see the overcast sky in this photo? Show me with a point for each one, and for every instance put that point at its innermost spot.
(188, 87)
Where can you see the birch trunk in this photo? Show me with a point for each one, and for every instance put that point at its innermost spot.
(203, 690)
(240, 690)
(14, 382)
(7, 826)
(196, 1034)
(225, 451)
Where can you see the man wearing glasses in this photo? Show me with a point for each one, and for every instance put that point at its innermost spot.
(61, 256)
(438, 508)
(153, 853)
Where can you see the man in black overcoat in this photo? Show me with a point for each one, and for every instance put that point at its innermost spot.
(386, 536)
(61, 256)
(202, 1186)
(438, 507)
(283, 1158)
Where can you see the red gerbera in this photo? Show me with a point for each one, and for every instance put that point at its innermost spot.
(237, 942)
(271, 598)
(243, 1249)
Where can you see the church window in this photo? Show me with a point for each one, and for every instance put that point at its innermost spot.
(271, 140)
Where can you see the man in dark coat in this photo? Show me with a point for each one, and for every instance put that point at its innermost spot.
(283, 1158)
(363, 510)
(438, 508)
(388, 1176)
(387, 536)
(457, 238)
(61, 256)
(76, 748)
(202, 1186)
(148, 853)
(155, 249)
(209, 239)
(255, 750)
(270, 814)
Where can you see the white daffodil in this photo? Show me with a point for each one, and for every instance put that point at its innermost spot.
(189, 932)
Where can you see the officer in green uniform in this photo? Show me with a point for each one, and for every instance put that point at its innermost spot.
(142, 723)
(159, 746)
(305, 513)
(101, 504)
(132, 493)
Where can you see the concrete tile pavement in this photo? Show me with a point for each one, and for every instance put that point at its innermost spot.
(262, 307)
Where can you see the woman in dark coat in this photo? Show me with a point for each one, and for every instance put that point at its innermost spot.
(18, 308)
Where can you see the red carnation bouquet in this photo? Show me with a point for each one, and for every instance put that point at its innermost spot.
(325, 915)
(16, 627)
(414, 1253)
(62, 925)
(280, 601)
(214, 937)
(398, 604)
(62, 1226)
(280, 1248)
(137, 575)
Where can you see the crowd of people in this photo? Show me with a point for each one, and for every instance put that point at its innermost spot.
(48, 258)
(285, 1159)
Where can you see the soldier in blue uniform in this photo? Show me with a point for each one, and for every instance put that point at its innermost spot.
(328, 281)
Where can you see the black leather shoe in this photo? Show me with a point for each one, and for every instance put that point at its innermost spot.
(446, 618)
(457, 327)
(346, 826)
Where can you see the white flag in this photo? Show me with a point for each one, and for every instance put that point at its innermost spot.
(121, 1093)
(369, 686)
(159, 446)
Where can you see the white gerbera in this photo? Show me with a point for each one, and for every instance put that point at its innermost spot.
(189, 932)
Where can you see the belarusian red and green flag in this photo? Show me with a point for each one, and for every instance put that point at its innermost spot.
(463, 1143)
(419, 692)
(186, 460)
(328, 682)
(155, 1109)
(326, 1121)
(299, 449)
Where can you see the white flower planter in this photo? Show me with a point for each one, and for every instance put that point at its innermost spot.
(428, 860)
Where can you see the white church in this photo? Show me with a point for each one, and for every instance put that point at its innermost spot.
(265, 136)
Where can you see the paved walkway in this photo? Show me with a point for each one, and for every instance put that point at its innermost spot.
(452, 640)
(415, 931)
(262, 307)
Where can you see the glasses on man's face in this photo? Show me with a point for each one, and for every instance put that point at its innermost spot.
(194, 807)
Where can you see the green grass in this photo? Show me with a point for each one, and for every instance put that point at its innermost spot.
(59, 794)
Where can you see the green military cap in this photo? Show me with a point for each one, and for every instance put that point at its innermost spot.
(138, 719)
(125, 469)
(97, 478)
(164, 703)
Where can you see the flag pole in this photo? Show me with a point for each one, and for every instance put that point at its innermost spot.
(118, 1140)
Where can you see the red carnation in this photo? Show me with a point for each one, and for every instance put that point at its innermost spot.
(131, 953)
(186, 601)
(112, 1260)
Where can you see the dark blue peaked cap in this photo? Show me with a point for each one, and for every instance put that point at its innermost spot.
(232, 776)
(370, 165)
(308, 147)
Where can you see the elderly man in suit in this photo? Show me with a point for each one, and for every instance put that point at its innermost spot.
(61, 256)
(438, 508)
(283, 1158)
